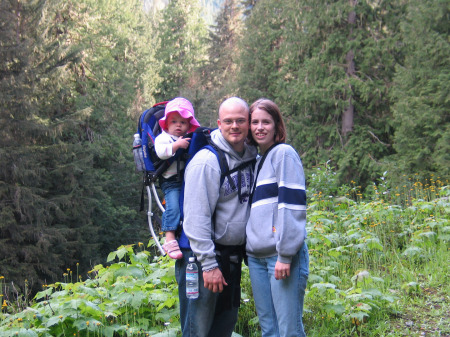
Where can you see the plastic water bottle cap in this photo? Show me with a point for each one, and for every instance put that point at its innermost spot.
(192, 259)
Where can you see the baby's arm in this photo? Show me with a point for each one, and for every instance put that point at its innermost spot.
(180, 143)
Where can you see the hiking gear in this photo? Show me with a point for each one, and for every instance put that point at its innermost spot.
(225, 256)
(184, 108)
(164, 150)
(148, 129)
(173, 250)
(137, 153)
(260, 164)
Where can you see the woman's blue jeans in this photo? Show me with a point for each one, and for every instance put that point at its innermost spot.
(279, 303)
(171, 216)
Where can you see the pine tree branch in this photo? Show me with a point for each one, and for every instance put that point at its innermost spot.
(377, 139)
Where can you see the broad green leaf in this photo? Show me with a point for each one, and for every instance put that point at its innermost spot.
(373, 292)
(413, 252)
(363, 306)
(121, 252)
(133, 271)
(314, 278)
(323, 286)
(88, 324)
(427, 235)
(338, 309)
(53, 321)
(111, 256)
(359, 315)
(111, 329)
(374, 243)
(138, 298)
(334, 252)
(44, 294)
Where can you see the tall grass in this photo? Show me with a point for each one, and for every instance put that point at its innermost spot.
(373, 254)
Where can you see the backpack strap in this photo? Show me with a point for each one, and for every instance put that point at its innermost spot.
(260, 164)
(223, 163)
(225, 169)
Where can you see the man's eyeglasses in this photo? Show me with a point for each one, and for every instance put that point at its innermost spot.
(230, 122)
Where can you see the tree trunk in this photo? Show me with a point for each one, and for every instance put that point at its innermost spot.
(347, 116)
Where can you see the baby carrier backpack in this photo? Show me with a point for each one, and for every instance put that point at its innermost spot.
(145, 157)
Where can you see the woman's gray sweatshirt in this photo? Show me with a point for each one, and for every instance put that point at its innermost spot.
(214, 211)
(278, 212)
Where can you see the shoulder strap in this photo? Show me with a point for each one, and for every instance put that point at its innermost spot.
(260, 164)
(225, 169)
(223, 163)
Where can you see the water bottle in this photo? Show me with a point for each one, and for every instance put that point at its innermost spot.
(192, 279)
(137, 152)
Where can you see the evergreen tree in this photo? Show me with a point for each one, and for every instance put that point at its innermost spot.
(248, 6)
(421, 87)
(260, 50)
(220, 73)
(322, 62)
(117, 78)
(181, 49)
(38, 168)
(72, 84)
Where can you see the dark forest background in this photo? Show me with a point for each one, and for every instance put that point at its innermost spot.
(363, 85)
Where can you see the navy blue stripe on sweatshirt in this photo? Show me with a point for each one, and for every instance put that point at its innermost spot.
(294, 198)
(266, 192)
(291, 196)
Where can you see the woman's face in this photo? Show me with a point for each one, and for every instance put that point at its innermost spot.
(262, 127)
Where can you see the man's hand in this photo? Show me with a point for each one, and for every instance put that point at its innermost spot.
(214, 280)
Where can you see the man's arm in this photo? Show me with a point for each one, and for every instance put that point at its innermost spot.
(202, 187)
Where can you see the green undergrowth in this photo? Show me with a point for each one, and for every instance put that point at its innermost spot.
(136, 295)
(378, 264)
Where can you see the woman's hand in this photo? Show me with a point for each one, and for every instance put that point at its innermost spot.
(282, 270)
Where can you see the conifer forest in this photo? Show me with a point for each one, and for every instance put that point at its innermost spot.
(363, 87)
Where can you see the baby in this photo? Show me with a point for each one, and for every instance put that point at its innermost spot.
(177, 121)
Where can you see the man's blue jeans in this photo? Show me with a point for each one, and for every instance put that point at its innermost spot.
(200, 317)
(171, 216)
(279, 303)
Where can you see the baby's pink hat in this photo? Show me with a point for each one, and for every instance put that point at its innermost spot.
(184, 108)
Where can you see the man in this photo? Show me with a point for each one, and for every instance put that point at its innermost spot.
(215, 215)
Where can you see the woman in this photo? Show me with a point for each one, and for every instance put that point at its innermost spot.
(278, 257)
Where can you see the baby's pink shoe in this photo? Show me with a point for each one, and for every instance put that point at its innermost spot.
(173, 249)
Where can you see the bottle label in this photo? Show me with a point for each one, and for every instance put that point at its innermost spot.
(191, 291)
(193, 277)
(192, 284)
